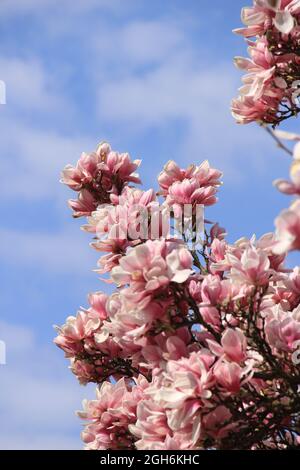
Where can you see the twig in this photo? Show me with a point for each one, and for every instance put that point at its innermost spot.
(277, 140)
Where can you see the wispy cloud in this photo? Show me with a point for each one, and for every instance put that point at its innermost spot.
(138, 42)
(38, 157)
(9, 7)
(37, 397)
(61, 252)
(29, 86)
(183, 89)
(144, 75)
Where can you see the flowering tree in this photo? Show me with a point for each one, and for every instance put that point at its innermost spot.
(198, 347)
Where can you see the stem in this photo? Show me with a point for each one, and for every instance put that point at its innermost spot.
(278, 141)
(201, 320)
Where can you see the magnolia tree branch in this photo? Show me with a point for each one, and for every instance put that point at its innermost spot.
(195, 349)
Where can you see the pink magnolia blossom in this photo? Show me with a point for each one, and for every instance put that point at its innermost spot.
(76, 329)
(195, 185)
(85, 341)
(217, 422)
(98, 303)
(97, 175)
(253, 268)
(203, 174)
(186, 379)
(283, 293)
(165, 347)
(218, 252)
(144, 332)
(103, 163)
(211, 290)
(86, 169)
(152, 266)
(126, 219)
(85, 372)
(294, 281)
(250, 262)
(128, 324)
(120, 226)
(270, 86)
(195, 289)
(151, 428)
(196, 348)
(110, 415)
(233, 345)
(283, 329)
(217, 232)
(230, 375)
(261, 70)
(288, 229)
(267, 13)
(290, 187)
(84, 205)
(115, 249)
(245, 109)
(172, 410)
(189, 191)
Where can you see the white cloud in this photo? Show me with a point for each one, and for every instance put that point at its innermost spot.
(33, 159)
(159, 79)
(20, 338)
(38, 6)
(173, 90)
(148, 74)
(189, 92)
(28, 86)
(38, 441)
(63, 252)
(138, 42)
(146, 41)
(37, 397)
(175, 86)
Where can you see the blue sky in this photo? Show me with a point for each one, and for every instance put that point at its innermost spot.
(153, 78)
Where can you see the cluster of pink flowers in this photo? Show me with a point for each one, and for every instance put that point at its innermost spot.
(123, 216)
(96, 176)
(111, 414)
(270, 88)
(195, 348)
(194, 185)
(199, 346)
(288, 221)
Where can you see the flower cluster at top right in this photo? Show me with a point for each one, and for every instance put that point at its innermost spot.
(270, 92)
